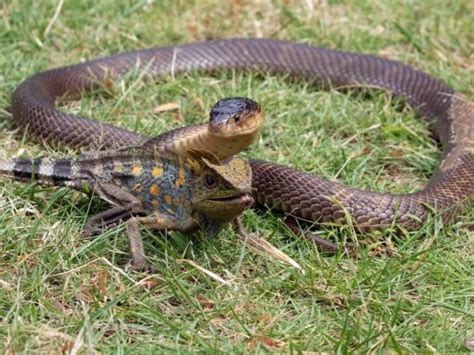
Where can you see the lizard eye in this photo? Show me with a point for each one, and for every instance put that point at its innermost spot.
(209, 181)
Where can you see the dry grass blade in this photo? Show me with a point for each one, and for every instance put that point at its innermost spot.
(262, 246)
(55, 17)
(166, 107)
(206, 271)
(5, 112)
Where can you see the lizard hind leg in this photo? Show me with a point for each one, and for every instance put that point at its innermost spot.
(107, 219)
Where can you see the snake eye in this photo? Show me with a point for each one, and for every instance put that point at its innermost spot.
(209, 181)
(237, 118)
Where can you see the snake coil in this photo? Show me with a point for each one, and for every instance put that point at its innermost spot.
(296, 193)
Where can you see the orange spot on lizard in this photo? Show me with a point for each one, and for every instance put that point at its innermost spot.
(154, 190)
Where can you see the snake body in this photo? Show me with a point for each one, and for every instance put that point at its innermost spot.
(295, 193)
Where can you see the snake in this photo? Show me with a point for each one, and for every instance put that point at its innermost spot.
(280, 188)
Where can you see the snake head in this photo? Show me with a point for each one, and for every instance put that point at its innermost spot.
(235, 116)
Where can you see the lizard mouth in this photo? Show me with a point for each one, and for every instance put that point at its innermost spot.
(244, 200)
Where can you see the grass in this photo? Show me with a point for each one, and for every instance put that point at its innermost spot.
(401, 293)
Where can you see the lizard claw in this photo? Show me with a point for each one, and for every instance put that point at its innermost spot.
(94, 227)
(143, 266)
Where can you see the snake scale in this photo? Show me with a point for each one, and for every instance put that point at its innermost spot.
(298, 194)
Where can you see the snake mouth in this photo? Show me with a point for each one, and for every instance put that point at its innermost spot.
(249, 125)
(235, 116)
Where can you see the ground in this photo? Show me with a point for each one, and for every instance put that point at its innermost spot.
(409, 292)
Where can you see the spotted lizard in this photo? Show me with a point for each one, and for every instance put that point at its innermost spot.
(160, 191)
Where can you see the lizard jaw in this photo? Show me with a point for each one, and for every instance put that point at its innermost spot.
(244, 200)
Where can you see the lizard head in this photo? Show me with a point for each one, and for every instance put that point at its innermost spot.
(221, 190)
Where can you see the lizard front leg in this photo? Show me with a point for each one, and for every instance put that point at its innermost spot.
(157, 221)
(135, 243)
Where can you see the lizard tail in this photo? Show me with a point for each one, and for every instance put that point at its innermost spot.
(43, 171)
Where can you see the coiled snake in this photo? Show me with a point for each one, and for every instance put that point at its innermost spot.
(296, 193)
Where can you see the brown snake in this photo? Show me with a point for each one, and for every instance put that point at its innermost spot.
(296, 193)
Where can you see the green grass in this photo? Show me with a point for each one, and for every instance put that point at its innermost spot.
(412, 292)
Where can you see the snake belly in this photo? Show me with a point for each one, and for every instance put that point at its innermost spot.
(296, 193)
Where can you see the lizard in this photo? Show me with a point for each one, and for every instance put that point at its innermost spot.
(160, 191)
